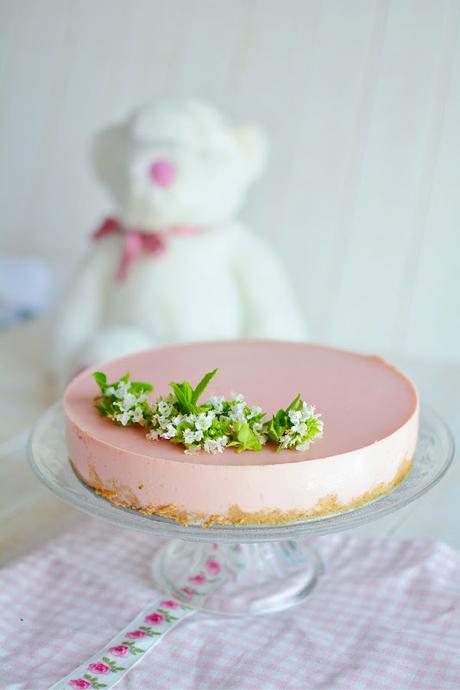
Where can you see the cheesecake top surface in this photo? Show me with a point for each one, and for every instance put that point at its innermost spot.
(362, 399)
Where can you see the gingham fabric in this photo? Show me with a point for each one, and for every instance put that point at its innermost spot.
(386, 614)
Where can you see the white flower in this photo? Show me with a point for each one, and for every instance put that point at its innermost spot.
(192, 436)
(177, 419)
(255, 410)
(237, 397)
(164, 408)
(300, 428)
(189, 436)
(257, 429)
(137, 415)
(217, 401)
(303, 446)
(295, 416)
(204, 421)
(307, 411)
(210, 445)
(110, 390)
(152, 435)
(170, 432)
(285, 441)
(190, 418)
(127, 402)
(237, 412)
(122, 389)
(215, 445)
(124, 417)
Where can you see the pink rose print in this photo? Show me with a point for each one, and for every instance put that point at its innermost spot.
(169, 604)
(155, 618)
(212, 566)
(80, 683)
(197, 579)
(187, 591)
(136, 634)
(99, 667)
(119, 650)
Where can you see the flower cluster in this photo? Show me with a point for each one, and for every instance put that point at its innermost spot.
(125, 401)
(211, 426)
(296, 426)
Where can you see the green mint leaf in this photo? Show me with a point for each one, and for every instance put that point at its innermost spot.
(276, 426)
(203, 384)
(313, 428)
(188, 392)
(102, 408)
(295, 403)
(273, 431)
(247, 440)
(183, 392)
(101, 379)
(138, 387)
(281, 419)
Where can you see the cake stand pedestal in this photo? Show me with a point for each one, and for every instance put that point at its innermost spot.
(244, 578)
(236, 570)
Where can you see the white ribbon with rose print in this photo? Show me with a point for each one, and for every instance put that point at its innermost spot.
(106, 668)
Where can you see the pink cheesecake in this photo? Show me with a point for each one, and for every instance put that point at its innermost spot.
(370, 412)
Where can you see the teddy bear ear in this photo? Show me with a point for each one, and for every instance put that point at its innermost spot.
(254, 146)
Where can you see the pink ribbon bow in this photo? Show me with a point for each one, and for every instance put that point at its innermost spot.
(136, 242)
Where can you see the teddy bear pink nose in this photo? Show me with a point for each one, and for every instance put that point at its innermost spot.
(163, 173)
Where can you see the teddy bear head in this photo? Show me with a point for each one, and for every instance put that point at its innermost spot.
(174, 164)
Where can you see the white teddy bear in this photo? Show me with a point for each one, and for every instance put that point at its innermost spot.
(175, 264)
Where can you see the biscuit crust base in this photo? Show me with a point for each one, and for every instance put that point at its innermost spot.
(123, 496)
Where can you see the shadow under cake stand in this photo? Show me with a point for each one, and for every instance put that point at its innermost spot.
(236, 570)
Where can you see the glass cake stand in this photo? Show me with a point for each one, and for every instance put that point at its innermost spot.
(230, 569)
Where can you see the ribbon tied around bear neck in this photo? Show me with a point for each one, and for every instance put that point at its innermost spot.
(136, 242)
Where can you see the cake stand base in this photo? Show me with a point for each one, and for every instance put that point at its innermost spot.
(237, 579)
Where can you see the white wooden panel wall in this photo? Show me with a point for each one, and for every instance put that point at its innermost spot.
(362, 102)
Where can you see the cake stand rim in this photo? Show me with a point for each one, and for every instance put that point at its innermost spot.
(83, 497)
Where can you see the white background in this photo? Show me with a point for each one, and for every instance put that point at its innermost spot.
(361, 99)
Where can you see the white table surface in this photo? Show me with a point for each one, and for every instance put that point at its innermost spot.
(30, 514)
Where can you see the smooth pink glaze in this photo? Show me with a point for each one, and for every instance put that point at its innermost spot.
(362, 399)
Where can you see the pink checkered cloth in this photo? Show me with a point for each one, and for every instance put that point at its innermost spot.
(385, 615)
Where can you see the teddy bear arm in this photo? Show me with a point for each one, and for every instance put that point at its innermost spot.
(270, 306)
(79, 312)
